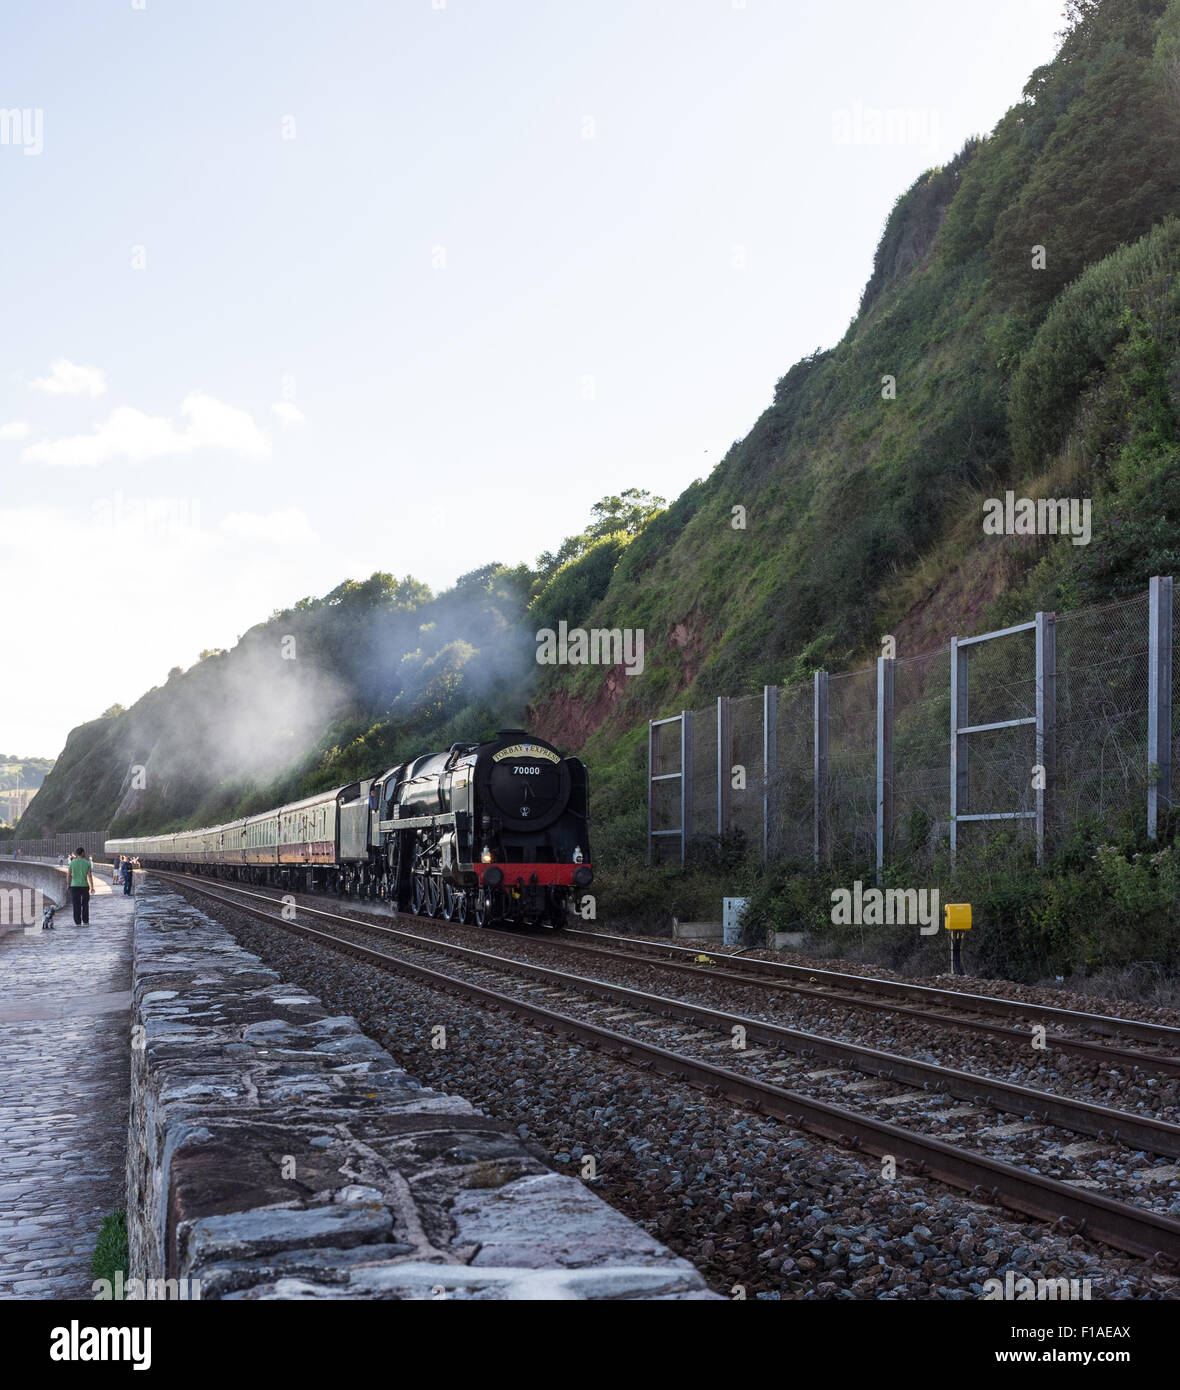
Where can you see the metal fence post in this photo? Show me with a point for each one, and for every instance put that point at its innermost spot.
(821, 846)
(685, 781)
(884, 759)
(651, 737)
(1046, 726)
(724, 760)
(1159, 700)
(769, 765)
(958, 741)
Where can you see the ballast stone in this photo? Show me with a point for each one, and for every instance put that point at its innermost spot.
(278, 1152)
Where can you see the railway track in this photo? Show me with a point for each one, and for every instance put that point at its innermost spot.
(943, 1008)
(593, 1010)
(860, 991)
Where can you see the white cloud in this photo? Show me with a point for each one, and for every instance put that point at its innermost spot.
(66, 378)
(279, 527)
(125, 433)
(214, 425)
(15, 429)
(289, 415)
(131, 434)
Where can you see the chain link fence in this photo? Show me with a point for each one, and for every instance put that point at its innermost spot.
(849, 810)
(746, 770)
(921, 772)
(1028, 732)
(1102, 712)
(791, 786)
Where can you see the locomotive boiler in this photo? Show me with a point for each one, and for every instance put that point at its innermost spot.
(486, 832)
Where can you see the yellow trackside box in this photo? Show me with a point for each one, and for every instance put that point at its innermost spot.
(958, 916)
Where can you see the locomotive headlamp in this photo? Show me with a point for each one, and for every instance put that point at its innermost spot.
(578, 855)
(486, 855)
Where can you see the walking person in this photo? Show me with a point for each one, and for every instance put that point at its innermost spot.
(81, 886)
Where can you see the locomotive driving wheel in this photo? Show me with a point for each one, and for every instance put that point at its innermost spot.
(483, 907)
(420, 892)
(433, 896)
(450, 901)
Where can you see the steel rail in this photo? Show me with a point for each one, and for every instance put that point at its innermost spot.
(744, 973)
(952, 998)
(1125, 1227)
(1080, 1047)
(1081, 1117)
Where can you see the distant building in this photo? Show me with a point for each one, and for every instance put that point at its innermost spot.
(15, 802)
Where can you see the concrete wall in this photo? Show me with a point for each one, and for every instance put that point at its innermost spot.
(278, 1152)
(42, 878)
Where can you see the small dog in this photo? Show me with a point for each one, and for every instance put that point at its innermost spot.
(47, 917)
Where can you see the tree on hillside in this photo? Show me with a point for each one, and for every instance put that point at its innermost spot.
(379, 590)
(630, 511)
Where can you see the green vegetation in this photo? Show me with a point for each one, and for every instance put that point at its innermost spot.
(23, 772)
(110, 1253)
(1107, 901)
(330, 690)
(1019, 329)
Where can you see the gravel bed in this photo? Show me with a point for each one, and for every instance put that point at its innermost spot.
(763, 1210)
(1052, 997)
(1142, 1179)
(1133, 1090)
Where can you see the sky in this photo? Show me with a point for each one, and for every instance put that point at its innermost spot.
(297, 290)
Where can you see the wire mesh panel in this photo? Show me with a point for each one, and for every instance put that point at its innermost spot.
(665, 748)
(1093, 707)
(704, 774)
(998, 779)
(1002, 678)
(792, 790)
(664, 792)
(852, 764)
(745, 769)
(921, 770)
(1102, 679)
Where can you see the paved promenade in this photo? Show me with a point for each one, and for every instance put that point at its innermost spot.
(64, 1078)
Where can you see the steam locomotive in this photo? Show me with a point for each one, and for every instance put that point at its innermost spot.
(485, 832)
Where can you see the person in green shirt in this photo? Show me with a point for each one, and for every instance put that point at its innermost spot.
(81, 886)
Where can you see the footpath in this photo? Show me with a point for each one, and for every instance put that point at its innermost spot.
(64, 1085)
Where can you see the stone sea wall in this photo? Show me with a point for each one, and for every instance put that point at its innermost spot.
(277, 1152)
